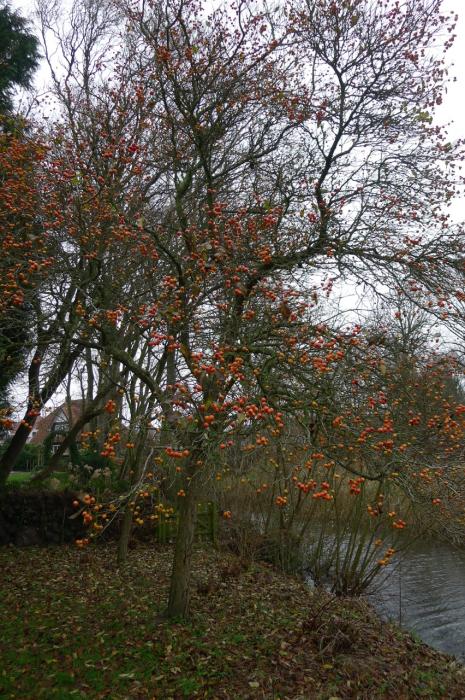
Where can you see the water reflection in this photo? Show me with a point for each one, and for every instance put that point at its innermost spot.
(427, 595)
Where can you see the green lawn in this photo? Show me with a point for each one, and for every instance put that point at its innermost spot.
(74, 626)
(19, 477)
(22, 478)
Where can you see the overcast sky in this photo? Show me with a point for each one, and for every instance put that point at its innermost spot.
(452, 109)
(454, 103)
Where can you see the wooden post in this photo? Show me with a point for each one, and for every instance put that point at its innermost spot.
(213, 519)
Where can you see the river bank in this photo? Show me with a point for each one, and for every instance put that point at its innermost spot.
(76, 627)
(425, 594)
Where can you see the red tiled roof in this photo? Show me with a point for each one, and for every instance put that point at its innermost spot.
(43, 424)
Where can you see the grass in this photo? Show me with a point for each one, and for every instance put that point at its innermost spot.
(22, 478)
(19, 478)
(74, 626)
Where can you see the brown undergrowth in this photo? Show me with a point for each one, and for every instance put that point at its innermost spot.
(74, 626)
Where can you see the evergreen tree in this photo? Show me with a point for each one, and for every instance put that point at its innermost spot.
(19, 55)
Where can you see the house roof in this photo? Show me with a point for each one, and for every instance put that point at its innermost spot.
(43, 424)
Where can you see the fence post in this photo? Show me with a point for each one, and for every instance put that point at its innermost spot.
(207, 519)
(212, 512)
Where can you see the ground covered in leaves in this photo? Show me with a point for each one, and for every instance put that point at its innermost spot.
(74, 626)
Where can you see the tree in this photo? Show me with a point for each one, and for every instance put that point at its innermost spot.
(18, 59)
(45, 268)
(13, 338)
(19, 56)
(238, 164)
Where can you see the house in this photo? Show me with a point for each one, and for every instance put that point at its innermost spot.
(57, 422)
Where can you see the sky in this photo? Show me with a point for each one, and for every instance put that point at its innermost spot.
(454, 102)
(453, 108)
(451, 112)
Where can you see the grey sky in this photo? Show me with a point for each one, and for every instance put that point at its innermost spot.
(453, 107)
(452, 110)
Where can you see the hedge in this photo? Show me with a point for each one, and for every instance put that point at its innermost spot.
(29, 517)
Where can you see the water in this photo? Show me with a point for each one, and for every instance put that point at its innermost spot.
(426, 594)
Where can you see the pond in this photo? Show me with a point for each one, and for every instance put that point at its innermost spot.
(426, 595)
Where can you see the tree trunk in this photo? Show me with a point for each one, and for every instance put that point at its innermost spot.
(11, 455)
(178, 602)
(123, 542)
(37, 400)
(19, 439)
(137, 469)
